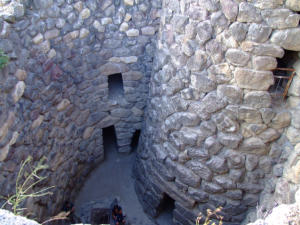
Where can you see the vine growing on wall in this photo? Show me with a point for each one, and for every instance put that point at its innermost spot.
(27, 180)
(4, 59)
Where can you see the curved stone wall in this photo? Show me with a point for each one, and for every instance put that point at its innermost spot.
(213, 135)
(55, 94)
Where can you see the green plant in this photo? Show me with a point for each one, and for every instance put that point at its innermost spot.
(27, 180)
(209, 214)
(4, 59)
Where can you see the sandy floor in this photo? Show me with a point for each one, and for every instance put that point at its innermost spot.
(112, 179)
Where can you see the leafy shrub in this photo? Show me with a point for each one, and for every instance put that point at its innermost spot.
(4, 59)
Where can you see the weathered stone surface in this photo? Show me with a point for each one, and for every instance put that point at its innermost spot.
(63, 105)
(225, 123)
(253, 145)
(267, 115)
(231, 93)
(293, 5)
(264, 63)
(267, 4)
(251, 79)
(293, 135)
(250, 115)
(200, 169)
(248, 13)
(280, 18)
(258, 99)
(287, 39)
(202, 83)
(198, 195)
(8, 218)
(259, 33)
(230, 140)
(238, 31)
(217, 165)
(250, 130)
(269, 135)
(204, 32)
(234, 159)
(187, 176)
(230, 9)
(19, 90)
(237, 57)
(263, 49)
(212, 145)
(281, 120)
(113, 68)
(212, 188)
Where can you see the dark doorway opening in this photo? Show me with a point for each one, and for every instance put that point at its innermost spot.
(115, 86)
(165, 210)
(109, 139)
(135, 140)
(283, 76)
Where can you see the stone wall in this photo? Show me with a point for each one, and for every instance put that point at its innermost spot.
(213, 134)
(55, 96)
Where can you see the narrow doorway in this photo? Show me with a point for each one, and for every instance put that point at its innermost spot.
(165, 210)
(115, 86)
(109, 139)
(135, 140)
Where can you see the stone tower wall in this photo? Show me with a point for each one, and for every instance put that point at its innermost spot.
(54, 92)
(213, 134)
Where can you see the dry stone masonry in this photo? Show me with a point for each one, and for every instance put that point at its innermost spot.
(213, 133)
(56, 93)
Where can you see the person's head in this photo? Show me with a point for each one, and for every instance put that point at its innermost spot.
(116, 208)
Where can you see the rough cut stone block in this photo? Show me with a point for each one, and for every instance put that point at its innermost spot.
(129, 2)
(231, 93)
(21, 74)
(217, 165)
(187, 176)
(268, 4)
(212, 188)
(212, 145)
(230, 140)
(248, 13)
(133, 33)
(250, 130)
(281, 120)
(50, 34)
(235, 160)
(237, 57)
(256, 80)
(250, 115)
(63, 105)
(148, 30)
(293, 5)
(263, 49)
(258, 99)
(202, 83)
(269, 135)
(204, 32)
(198, 195)
(38, 39)
(293, 134)
(288, 38)
(224, 182)
(259, 33)
(85, 13)
(238, 31)
(281, 18)
(200, 153)
(19, 90)
(113, 68)
(253, 145)
(230, 9)
(264, 63)
(267, 115)
(200, 169)
(251, 162)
